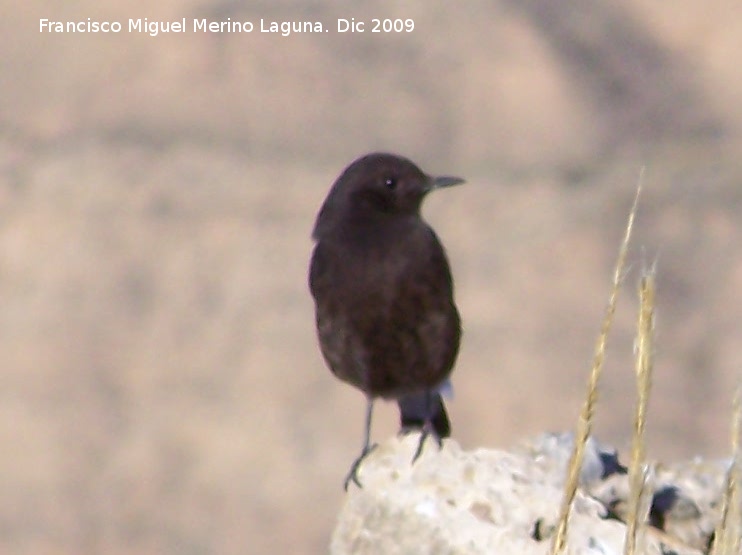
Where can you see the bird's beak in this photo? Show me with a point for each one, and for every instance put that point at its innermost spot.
(443, 181)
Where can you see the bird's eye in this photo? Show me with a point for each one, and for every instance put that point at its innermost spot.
(390, 183)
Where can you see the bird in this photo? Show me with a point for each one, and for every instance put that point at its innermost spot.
(383, 291)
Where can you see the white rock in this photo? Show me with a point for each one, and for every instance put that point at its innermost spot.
(469, 502)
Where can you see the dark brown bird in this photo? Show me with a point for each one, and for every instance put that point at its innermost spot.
(383, 292)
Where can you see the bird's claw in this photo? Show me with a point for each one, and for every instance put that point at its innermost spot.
(424, 434)
(353, 472)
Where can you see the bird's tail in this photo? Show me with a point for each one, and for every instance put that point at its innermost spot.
(417, 409)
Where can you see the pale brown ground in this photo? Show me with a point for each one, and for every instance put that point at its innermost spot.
(162, 391)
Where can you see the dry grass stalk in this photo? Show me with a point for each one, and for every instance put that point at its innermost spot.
(584, 425)
(727, 535)
(644, 358)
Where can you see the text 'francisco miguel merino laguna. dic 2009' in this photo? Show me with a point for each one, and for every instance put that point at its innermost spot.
(153, 28)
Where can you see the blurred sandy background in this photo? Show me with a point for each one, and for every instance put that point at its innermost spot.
(162, 391)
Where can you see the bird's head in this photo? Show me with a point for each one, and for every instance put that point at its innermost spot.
(379, 184)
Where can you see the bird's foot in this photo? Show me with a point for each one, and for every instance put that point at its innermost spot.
(426, 431)
(353, 472)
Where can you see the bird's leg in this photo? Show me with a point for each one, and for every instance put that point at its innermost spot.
(365, 451)
(424, 433)
(424, 412)
(428, 428)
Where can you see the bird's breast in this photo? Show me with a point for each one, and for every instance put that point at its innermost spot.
(385, 312)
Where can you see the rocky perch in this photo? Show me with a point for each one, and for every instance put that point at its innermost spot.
(487, 501)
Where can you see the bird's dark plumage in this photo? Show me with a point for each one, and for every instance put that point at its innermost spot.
(386, 318)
